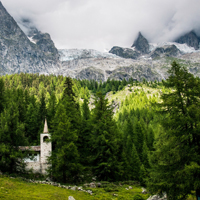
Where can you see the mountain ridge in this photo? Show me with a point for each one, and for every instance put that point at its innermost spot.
(17, 53)
(35, 52)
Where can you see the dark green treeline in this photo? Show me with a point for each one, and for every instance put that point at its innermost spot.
(86, 143)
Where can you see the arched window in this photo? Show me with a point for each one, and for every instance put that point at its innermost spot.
(45, 139)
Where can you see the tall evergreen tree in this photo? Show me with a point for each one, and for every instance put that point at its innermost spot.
(31, 124)
(65, 157)
(85, 135)
(135, 163)
(51, 109)
(176, 161)
(42, 112)
(68, 89)
(11, 137)
(66, 130)
(104, 140)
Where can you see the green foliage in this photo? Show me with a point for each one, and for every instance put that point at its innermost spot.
(85, 134)
(112, 147)
(11, 137)
(138, 197)
(66, 126)
(65, 157)
(18, 189)
(104, 140)
(2, 95)
(175, 162)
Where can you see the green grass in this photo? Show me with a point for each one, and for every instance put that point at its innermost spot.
(15, 189)
(120, 96)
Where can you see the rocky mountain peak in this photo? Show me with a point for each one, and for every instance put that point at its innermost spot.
(125, 52)
(42, 40)
(141, 44)
(19, 54)
(191, 39)
(9, 27)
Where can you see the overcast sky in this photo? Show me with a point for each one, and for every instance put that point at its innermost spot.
(101, 24)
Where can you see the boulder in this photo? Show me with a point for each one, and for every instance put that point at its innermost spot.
(71, 198)
(73, 188)
(89, 192)
(157, 197)
(92, 185)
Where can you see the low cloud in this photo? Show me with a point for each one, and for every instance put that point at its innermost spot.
(102, 24)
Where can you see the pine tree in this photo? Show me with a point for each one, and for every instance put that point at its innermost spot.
(176, 161)
(11, 137)
(140, 138)
(143, 175)
(42, 112)
(68, 89)
(65, 157)
(85, 134)
(150, 139)
(145, 157)
(51, 109)
(135, 164)
(66, 130)
(104, 140)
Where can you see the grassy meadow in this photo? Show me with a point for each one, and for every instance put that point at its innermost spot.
(16, 188)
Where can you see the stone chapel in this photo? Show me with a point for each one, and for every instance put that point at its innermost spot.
(37, 158)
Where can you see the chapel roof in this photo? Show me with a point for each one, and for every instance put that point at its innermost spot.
(29, 148)
(45, 126)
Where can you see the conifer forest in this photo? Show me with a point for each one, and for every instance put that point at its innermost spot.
(124, 130)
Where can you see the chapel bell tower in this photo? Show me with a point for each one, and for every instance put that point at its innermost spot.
(45, 145)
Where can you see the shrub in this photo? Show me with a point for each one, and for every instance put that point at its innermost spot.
(138, 197)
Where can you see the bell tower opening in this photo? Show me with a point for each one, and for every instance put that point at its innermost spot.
(45, 139)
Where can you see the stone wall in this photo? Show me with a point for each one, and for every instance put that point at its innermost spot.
(46, 148)
(35, 166)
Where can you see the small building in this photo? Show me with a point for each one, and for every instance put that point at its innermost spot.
(37, 158)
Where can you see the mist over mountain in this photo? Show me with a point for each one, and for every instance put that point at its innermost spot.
(24, 48)
(19, 54)
(100, 25)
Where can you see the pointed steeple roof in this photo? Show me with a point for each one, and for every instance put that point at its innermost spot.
(45, 126)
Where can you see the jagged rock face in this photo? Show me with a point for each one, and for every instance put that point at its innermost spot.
(91, 74)
(137, 72)
(35, 52)
(191, 39)
(124, 52)
(42, 40)
(17, 53)
(113, 68)
(167, 50)
(141, 44)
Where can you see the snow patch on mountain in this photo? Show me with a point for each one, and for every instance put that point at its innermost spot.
(31, 40)
(184, 48)
(73, 54)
